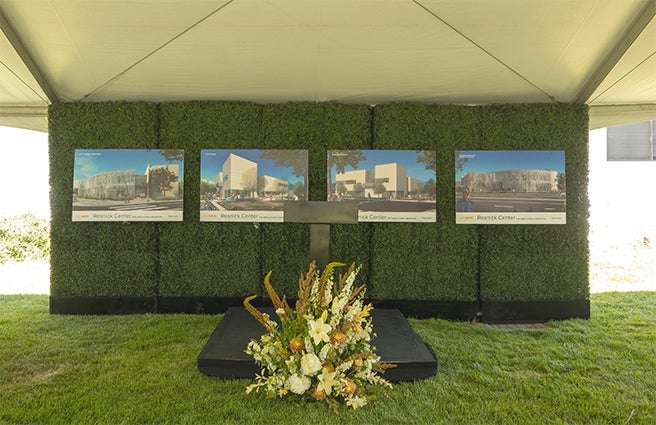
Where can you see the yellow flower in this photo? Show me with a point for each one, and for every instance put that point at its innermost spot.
(296, 345)
(349, 386)
(326, 381)
(364, 312)
(319, 329)
(338, 338)
(318, 394)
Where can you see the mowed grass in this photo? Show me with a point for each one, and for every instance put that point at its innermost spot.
(141, 369)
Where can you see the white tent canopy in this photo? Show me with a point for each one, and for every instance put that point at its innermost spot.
(598, 52)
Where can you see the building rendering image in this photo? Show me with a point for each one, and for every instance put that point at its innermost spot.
(272, 186)
(514, 187)
(111, 185)
(162, 181)
(158, 182)
(128, 185)
(381, 174)
(512, 181)
(239, 178)
(233, 181)
(384, 181)
(389, 185)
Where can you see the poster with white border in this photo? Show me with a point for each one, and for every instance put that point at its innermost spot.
(250, 185)
(388, 185)
(510, 187)
(128, 185)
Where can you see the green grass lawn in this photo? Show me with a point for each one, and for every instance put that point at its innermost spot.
(141, 369)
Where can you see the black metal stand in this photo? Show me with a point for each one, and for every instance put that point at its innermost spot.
(320, 215)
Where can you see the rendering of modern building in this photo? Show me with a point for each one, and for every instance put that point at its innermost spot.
(384, 181)
(394, 177)
(273, 187)
(354, 179)
(414, 185)
(162, 181)
(111, 185)
(159, 181)
(511, 181)
(238, 178)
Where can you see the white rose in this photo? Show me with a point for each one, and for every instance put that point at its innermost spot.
(310, 364)
(298, 384)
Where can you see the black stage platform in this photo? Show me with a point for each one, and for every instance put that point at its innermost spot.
(223, 356)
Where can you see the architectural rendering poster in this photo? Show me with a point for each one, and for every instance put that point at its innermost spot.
(389, 185)
(128, 184)
(510, 187)
(250, 185)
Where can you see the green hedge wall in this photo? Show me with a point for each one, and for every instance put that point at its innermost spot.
(200, 258)
(524, 262)
(441, 261)
(415, 261)
(98, 258)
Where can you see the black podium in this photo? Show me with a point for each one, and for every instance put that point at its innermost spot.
(396, 342)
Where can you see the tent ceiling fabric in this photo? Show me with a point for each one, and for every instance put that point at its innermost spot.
(348, 51)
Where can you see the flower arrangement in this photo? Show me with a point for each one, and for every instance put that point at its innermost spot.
(322, 349)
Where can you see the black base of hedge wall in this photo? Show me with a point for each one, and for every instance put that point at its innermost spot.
(202, 305)
(449, 310)
(492, 311)
(534, 311)
(99, 305)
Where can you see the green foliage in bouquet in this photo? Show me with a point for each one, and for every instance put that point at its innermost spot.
(322, 350)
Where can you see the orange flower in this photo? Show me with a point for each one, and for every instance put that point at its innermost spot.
(318, 394)
(338, 337)
(349, 387)
(296, 345)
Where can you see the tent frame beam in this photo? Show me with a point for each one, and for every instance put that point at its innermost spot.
(615, 54)
(26, 57)
(24, 111)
